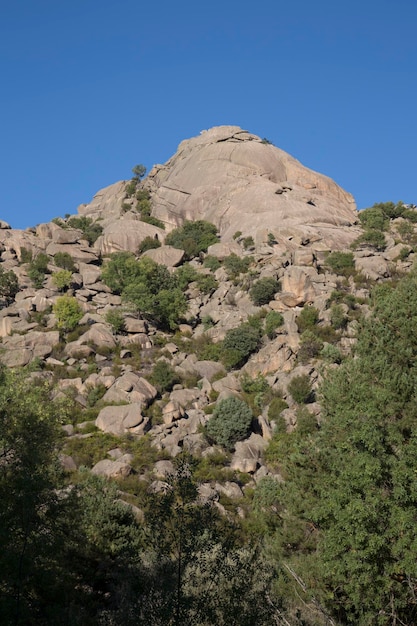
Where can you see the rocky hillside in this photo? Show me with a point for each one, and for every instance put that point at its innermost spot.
(269, 304)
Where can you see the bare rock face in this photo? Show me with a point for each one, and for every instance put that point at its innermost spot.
(231, 178)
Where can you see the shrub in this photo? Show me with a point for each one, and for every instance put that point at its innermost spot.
(300, 389)
(206, 283)
(8, 285)
(237, 234)
(193, 237)
(230, 422)
(115, 318)
(373, 238)
(310, 347)
(148, 286)
(374, 219)
(139, 171)
(95, 393)
(406, 231)
(239, 343)
(331, 354)
(404, 254)
(389, 209)
(25, 255)
(186, 274)
(154, 221)
(64, 261)
(120, 270)
(149, 243)
(276, 406)
(91, 230)
(264, 290)
(62, 279)
(163, 376)
(248, 242)
(68, 312)
(307, 319)
(37, 269)
(235, 265)
(341, 263)
(338, 318)
(273, 320)
(212, 263)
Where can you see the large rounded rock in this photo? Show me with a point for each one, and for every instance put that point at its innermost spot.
(231, 178)
(119, 420)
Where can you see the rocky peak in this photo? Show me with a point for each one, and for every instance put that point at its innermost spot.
(242, 183)
(239, 182)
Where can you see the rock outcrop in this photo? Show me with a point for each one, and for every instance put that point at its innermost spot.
(240, 183)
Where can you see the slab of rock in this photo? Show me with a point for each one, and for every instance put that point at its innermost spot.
(66, 235)
(247, 455)
(112, 469)
(172, 411)
(120, 420)
(131, 388)
(126, 234)
(99, 335)
(296, 286)
(166, 255)
(227, 176)
(78, 252)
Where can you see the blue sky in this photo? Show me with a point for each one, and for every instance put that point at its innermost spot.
(89, 89)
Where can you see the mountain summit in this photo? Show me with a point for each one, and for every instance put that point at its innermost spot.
(234, 179)
(239, 182)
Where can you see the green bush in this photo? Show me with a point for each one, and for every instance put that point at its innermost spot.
(154, 221)
(149, 243)
(206, 283)
(239, 343)
(37, 269)
(341, 263)
(373, 238)
(212, 263)
(64, 261)
(331, 354)
(185, 275)
(300, 389)
(307, 319)
(235, 265)
(254, 385)
(404, 254)
(310, 347)
(68, 312)
(276, 406)
(338, 318)
(374, 219)
(273, 320)
(193, 237)
(390, 209)
(163, 376)
(25, 255)
(248, 242)
(115, 318)
(230, 422)
(8, 285)
(406, 231)
(120, 270)
(264, 290)
(139, 171)
(62, 279)
(90, 229)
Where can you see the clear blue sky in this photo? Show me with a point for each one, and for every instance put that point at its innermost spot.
(90, 88)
